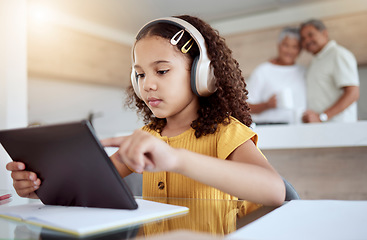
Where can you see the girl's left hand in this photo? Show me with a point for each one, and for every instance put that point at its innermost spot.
(143, 152)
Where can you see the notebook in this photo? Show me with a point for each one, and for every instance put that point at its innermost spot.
(82, 221)
(71, 163)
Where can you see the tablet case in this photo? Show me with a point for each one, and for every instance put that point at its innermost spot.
(70, 161)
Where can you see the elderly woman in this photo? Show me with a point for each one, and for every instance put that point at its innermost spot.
(277, 91)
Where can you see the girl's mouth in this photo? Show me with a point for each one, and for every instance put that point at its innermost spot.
(154, 102)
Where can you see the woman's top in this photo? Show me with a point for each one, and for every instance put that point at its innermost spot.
(287, 83)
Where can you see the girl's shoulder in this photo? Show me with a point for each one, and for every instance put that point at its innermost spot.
(146, 128)
(236, 129)
(235, 123)
(231, 136)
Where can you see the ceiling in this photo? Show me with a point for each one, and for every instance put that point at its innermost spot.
(129, 15)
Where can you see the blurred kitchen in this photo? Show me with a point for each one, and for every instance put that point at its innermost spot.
(68, 60)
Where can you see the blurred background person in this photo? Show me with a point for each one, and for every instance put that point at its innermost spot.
(277, 90)
(332, 78)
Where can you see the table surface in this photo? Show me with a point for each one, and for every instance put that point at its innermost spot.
(210, 217)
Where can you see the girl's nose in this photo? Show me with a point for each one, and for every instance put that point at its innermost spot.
(149, 83)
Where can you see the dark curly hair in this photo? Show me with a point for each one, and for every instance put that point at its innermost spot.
(231, 95)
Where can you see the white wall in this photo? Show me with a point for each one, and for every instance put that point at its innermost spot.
(52, 101)
(13, 64)
(13, 74)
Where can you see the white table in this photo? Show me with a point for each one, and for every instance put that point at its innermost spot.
(310, 219)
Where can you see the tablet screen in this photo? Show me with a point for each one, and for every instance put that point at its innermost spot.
(71, 163)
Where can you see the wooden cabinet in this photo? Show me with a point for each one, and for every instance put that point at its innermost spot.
(57, 52)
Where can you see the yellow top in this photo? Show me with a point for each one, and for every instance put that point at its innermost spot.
(167, 184)
(211, 216)
(220, 145)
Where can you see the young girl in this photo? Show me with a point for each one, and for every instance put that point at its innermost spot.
(196, 142)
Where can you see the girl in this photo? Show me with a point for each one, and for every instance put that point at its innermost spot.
(196, 142)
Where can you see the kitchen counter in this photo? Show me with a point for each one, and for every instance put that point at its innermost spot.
(321, 160)
(315, 135)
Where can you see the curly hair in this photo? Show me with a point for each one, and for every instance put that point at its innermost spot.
(231, 95)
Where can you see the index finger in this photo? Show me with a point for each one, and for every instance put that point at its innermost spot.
(113, 142)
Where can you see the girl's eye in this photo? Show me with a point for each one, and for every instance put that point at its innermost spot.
(140, 75)
(162, 72)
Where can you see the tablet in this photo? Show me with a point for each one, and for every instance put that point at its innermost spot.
(71, 163)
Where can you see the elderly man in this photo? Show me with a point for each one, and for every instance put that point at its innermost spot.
(332, 78)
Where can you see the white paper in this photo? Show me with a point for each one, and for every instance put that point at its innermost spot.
(310, 219)
(82, 220)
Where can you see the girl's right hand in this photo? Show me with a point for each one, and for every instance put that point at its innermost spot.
(24, 182)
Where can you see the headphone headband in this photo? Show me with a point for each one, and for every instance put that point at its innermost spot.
(202, 76)
(194, 33)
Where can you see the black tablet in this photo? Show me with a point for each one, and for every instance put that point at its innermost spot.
(71, 163)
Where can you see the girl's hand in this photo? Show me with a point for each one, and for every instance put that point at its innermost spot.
(24, 182)
(143, 152)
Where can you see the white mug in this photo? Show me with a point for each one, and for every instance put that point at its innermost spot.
(285, 99)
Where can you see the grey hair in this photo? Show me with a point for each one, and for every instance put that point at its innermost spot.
(318, 24)
(291, 32)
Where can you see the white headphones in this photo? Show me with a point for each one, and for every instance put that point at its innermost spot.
(202, 75)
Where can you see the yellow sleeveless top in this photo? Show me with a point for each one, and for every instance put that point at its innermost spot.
(220, 145)
(167, 184)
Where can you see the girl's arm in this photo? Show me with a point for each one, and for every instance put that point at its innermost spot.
(245, 174)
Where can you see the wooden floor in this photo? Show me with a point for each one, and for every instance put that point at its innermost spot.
(324, 173)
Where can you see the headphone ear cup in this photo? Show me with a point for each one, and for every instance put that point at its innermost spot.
(202, 77)
(134, 82)
(193, 79)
